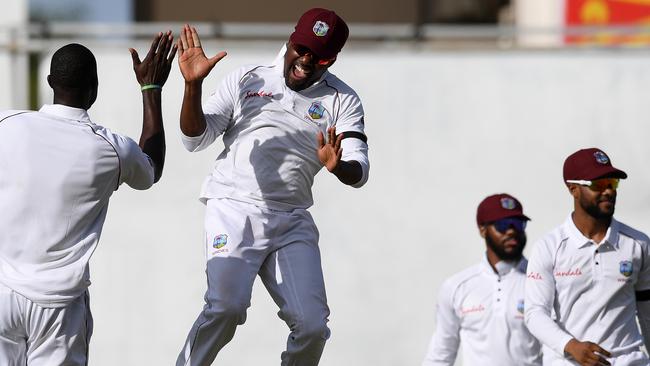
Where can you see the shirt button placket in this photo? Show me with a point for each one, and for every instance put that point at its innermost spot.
(499, 298)
(597, 263)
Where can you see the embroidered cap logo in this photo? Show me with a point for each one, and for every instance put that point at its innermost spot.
(508, 203)
(320, 28)
(601, 157)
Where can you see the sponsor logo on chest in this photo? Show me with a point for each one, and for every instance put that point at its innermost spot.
(258, 94)
(472, 309)
(569, 273)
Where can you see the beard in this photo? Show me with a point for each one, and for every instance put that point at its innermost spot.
(595, 211)
(500, 252)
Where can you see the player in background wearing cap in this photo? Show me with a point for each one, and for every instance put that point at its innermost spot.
(57, 172)
(281, 123)
(589, 277)
(483, 306)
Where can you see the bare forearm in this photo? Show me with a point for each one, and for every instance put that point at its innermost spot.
(192, 118)
(348, 172)
(152, 139)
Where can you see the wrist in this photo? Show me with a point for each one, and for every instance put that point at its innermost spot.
(568, 348)
(146, 87)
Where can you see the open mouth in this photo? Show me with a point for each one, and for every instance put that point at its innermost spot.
(300, 72)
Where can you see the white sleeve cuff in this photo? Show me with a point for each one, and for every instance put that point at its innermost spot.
(193, 143)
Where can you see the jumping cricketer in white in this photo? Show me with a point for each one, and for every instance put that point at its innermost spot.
(281, 123)
(57, 172)
(482, 307)
(589, 279)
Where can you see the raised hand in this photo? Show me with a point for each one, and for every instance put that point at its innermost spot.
(193, 62)
(329, 153)
(154, 69)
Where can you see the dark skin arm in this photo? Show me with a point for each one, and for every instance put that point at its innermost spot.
(195, 66)
(329, 153)
(587, 353)
(154, 69)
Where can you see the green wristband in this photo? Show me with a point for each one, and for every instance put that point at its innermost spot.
(150, 86)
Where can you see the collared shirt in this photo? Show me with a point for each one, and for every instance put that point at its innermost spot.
(269, 132)
(580, 289)
(484, 310)
(57, 172)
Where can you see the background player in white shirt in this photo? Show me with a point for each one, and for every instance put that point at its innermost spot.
(482, 307)
(57, 172)
(589, 279)
(274, 118)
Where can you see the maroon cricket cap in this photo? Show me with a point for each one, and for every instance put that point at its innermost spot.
(497, 207)
(590, 164)
(322, 31)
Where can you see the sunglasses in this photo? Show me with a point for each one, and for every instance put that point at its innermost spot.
(303, 50)
(598, 185)
(511, 222)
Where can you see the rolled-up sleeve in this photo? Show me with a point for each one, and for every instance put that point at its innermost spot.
(540, 296)
(444, 343)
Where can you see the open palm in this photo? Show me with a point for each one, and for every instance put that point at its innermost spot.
(192, 61)
(329, 152)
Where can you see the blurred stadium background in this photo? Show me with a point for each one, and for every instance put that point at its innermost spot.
(464, 98)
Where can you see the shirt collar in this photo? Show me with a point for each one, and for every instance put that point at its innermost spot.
(504, 267)
(575, 237)
(63, 111)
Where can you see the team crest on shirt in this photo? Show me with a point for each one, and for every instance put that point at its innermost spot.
(320, 28)
(626, 269)
(508, 203)
(601, 157)
(520, 306)
(316, 110)
(220, 241)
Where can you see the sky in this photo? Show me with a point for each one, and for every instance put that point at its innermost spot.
(81, 10)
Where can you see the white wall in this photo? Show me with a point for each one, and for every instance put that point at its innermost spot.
(13, 65)
(445, 129)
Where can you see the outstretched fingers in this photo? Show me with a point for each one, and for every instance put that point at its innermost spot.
(134, 57)
(217, 58)
(195, 38)
(154, 45)
(184, 44)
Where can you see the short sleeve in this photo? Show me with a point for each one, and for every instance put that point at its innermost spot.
(136, 168)
(643, 281)
(218, 110)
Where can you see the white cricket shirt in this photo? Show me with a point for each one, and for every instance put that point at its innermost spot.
(270, 135)
(579, 289)
(57, 172)
(483, 311)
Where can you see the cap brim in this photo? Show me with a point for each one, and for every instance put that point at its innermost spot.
(610, 173)
(319, 49)
(491, 219)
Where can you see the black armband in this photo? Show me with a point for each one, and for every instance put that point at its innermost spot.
(354, 134)
(642, 295)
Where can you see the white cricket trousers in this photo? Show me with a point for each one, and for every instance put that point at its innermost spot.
(38, 336)
(244, 241)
